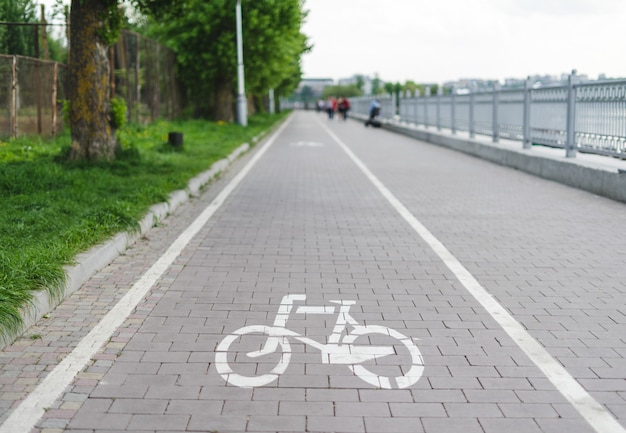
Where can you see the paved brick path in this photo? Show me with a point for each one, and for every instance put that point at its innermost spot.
(307, 221)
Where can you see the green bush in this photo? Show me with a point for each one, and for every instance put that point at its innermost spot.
(118, 112)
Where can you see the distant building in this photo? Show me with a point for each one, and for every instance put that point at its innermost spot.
(465, 85)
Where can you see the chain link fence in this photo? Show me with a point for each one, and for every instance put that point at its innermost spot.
(144, 76)
(32, 91)
(29, 93)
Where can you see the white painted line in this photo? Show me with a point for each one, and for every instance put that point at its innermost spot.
(306, 144)
(32, 408)
(593, 412)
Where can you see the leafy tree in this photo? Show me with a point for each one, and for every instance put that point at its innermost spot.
(57, 51)
(203, 34)
(360, 82)
(17, 40)
(394, 89)
(377, 85)
(411, 88)
(388, 88)
(306, 94)
(204, 38)
(95, 25)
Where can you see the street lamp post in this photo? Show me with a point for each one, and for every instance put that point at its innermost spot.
(242, 103)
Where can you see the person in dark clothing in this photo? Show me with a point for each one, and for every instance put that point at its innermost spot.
(344, 107)
(374, 113)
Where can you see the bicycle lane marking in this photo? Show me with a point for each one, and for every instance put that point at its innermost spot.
(337, 350)
(31, 409)
(593, 412)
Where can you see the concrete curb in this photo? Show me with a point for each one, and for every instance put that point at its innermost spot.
(96, 258)
(601, 175)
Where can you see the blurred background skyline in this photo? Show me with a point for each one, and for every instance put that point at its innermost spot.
(447, 40)
(450, 40)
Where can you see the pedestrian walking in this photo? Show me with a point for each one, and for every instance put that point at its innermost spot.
(344, 107)
(331, 107)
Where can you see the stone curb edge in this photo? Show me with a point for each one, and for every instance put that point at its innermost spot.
(101, 255)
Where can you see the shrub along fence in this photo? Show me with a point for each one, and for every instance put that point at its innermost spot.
(32, 90)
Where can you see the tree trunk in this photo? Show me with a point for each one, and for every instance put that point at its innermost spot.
(224, 102)
(252, 105)
(93, 138)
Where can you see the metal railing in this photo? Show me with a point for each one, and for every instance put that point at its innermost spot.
(588, 117)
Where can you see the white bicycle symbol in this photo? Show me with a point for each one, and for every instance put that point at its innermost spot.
(340, 348)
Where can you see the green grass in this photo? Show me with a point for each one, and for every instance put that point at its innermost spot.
(51, 210)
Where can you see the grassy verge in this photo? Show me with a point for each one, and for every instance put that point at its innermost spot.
(51, 210)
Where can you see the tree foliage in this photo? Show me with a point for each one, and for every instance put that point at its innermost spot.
(204, 38)
(377, 85)
(202, 33)
(17, 40)
(411, 88)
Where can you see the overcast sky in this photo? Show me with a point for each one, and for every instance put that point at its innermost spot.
(442, 40)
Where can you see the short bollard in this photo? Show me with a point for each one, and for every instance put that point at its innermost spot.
(175, 139)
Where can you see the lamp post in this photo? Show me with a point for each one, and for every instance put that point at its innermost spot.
(242, 103)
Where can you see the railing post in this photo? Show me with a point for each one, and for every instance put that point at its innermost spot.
(414, 107)
(416, 100)
(453, 111)
(426, 99)
(472, 129)
(496, 102)
(570, 143)
(439, 92)
(527, 142)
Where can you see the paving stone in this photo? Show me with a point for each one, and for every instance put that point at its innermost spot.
(306, 408)
(284, 423)
(499, 425)
(335, 424)
(451, 425)
(162, 422)
(136, 406)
